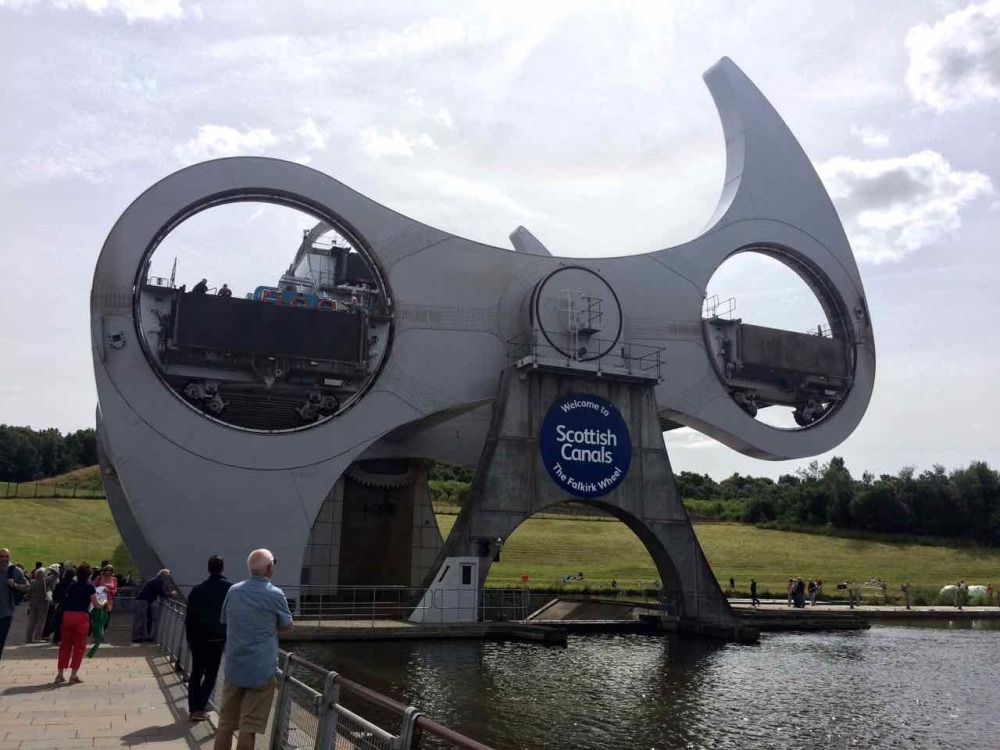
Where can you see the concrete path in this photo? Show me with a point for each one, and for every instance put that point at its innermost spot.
(130, 696)
(967, 612)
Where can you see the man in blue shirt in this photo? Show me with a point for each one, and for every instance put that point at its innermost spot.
(254, 613)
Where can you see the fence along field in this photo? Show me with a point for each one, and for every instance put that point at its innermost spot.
(551, 547)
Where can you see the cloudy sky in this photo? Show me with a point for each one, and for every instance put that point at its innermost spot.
(587, 122)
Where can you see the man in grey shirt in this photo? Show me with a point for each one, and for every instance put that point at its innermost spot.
(13, 582)
(254, 613)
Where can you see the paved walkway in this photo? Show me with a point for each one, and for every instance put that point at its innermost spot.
(130, 696)
(967, 612)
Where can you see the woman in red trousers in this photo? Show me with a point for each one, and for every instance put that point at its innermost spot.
(80, 597)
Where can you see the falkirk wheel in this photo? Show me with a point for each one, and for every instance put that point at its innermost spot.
(301, 419)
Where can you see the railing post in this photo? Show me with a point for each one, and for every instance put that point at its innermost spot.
(409, 735)
(181, 639)
(327, 728)
(282, 714)
(163, 626)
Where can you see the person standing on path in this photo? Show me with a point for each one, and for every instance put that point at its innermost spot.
(905, 588)
(754, 601)
(80, 597)
(206, 636)
(110, 583)
(146, 612)
(255, 613)
(14, 586)
(58, 595)
(38, 606)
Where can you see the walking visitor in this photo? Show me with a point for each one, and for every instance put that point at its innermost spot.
(80, 597)
(58, 596)
(110, 583)
(255, 613)
(206, 635)
(754, 601)
(38, 605)
(905, 588)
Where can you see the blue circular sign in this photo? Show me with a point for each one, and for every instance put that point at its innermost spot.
(585, 445)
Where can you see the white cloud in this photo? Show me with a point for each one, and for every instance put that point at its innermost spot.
(684, 438)
(444, 117)
(419, 38)
(215, 141)
(870, 136)
(311, 136)
(133, 10)
(894, 207)
(89, 166)
(18, 5)
(957, 61)
(393, 143)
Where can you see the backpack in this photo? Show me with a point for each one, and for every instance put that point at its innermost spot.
(16, 597)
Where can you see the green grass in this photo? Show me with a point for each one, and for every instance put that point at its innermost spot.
(547, 546)
(57, 530)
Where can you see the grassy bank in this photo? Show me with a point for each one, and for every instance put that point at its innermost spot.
(56, 530)
(549, 546)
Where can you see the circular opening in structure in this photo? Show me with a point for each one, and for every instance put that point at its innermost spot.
(775, 348)
(263, 316)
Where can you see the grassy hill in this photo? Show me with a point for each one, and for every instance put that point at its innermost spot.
(84, 482)
(64, 529)
(548, 546)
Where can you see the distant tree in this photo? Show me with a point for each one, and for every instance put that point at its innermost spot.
(977, 496)
(27, 454)
(878, 508)
(839, 488)
(82, 446)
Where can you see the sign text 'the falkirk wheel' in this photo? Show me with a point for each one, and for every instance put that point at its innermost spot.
(585, 445)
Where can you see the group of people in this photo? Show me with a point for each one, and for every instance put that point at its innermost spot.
(240, 622)
(798, 589)
(202, 288)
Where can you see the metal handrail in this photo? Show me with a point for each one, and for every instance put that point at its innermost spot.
(624, 357)
(324, 705)
(317, 604)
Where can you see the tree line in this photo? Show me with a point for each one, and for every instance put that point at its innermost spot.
(27, 454)
(960, 504)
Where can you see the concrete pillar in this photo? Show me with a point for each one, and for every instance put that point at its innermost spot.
(512, 484)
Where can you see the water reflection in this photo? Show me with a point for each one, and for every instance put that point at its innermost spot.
(887, 687)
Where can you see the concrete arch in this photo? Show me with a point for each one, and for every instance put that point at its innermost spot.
(512, 485)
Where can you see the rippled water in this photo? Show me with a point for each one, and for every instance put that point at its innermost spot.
(889, 687)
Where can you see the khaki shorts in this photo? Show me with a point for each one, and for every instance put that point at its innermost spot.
(245, 709)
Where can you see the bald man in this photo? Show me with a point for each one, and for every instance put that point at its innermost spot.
(255, 612)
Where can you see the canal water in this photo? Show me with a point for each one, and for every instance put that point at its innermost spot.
(888, 687)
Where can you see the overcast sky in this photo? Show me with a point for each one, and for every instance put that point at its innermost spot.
(586, 122)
